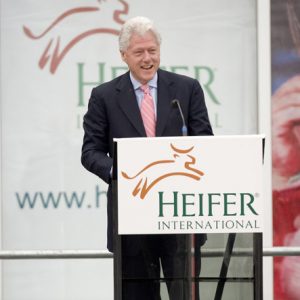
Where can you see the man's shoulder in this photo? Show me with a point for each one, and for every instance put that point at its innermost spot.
(175, 77)
(112, 84)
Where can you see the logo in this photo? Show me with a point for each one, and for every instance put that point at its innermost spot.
(181, 164)
(58, 43)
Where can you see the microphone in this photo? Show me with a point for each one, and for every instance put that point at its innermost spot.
(176, 103)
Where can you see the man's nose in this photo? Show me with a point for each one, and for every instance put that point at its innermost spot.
(146, 56)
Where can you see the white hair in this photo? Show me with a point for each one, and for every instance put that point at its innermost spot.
(138, 25)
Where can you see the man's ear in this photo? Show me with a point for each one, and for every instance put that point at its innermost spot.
(123, 55)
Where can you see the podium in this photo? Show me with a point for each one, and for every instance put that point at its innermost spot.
(188, 217)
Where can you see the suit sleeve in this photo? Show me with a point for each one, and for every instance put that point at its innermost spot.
(198, 120)
(94, 156)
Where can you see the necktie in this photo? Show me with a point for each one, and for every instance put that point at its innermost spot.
(147, 111)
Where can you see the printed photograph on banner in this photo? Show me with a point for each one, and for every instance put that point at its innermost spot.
(285, 17)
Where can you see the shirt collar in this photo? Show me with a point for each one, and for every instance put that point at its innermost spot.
(136, 84)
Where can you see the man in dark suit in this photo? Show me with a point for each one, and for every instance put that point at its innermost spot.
(116, 111)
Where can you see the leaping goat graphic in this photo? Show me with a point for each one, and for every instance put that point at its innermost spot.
(182, 164)
(58, 44)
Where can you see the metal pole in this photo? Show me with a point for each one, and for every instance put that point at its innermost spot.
(54, 254)
(104, 254)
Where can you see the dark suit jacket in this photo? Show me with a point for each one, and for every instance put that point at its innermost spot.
(113, 112)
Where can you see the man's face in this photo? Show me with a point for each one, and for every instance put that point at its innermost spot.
(142, 56)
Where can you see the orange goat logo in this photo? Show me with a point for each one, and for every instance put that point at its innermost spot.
(182, 164)
(58, 46)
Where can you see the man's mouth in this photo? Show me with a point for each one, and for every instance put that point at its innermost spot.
(147, 67)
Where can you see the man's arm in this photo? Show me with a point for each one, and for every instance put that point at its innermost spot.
(198, 120)
(95, 147)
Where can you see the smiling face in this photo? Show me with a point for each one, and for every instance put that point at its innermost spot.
(142, 56)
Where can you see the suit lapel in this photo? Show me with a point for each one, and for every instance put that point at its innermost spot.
(127, 101)
(165, 95)
(128, 104)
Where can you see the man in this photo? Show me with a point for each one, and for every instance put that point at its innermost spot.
(139, 104)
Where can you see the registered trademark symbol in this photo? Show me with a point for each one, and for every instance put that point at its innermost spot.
(256, 195)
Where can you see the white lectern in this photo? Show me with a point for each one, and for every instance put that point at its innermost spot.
(199, 200)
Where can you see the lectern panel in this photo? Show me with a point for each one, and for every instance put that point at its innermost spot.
(190, 267)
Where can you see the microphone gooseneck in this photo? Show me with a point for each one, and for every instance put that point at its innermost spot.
(176, 103)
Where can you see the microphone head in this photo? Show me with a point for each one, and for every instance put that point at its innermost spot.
(174, 103)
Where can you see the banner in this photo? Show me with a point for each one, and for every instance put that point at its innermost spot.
(52, 54)
(285, 17)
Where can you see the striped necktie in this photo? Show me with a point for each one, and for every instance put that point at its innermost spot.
(148, 112)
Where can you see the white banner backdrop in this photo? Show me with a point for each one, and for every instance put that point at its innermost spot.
(52, 54)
